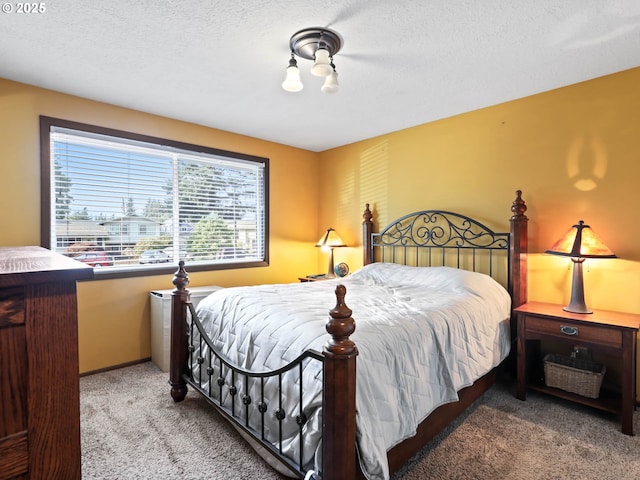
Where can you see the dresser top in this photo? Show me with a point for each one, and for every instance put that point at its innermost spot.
(22, 265)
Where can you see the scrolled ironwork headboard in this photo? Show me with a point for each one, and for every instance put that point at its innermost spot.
(441, 238)
(437, 237)
(438, 228)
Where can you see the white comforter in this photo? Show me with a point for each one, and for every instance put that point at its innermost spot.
(422, 333)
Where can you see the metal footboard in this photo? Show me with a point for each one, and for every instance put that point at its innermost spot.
(253, 401)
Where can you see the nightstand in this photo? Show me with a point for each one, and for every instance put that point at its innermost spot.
(612, 333)
(314, 278)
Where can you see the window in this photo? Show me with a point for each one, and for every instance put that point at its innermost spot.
(144, 203)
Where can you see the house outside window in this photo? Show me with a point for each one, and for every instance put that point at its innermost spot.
(135, 197)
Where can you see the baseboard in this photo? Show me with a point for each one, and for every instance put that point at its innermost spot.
(116, 367)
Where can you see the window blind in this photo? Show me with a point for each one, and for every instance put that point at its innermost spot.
(140, 204)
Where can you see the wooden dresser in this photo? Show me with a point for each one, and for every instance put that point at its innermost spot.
(39, 379)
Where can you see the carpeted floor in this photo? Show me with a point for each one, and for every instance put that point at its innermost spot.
(132, 429)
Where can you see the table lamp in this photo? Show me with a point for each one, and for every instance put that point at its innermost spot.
(329, 241)
(579, 243)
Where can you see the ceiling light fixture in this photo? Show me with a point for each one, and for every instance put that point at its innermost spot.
(317, 44)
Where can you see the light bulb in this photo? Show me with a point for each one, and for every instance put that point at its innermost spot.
(322, 64)
(292, 82)
(330, 84)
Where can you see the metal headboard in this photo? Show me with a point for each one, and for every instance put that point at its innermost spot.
(442, 238)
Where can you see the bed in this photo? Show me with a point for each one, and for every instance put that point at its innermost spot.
(432, 304)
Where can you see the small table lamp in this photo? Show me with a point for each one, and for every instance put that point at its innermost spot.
(329, 241)
(579, 243)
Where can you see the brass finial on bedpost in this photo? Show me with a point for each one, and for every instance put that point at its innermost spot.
(179, 341)
(339, 393)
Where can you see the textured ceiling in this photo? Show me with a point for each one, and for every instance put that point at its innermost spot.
(403, 62)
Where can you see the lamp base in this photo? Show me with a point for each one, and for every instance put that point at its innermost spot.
(577, 309)
(577, 303)
(330, 271)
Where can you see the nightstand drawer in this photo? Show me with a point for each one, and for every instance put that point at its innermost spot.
(574, 330)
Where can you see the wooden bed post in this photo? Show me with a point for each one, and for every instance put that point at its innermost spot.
(179, 341)
(367, 230)
(518, 252)
(339, 394)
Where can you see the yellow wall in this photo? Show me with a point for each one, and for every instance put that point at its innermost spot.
(573, 151)
(114, 314)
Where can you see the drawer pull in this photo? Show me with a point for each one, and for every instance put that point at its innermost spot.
(567, 330)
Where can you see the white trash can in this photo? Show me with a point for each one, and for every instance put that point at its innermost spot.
(160, 313)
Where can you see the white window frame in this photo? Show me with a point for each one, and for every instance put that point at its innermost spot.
(178, 155)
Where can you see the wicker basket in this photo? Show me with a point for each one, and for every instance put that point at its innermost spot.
(575, 375)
